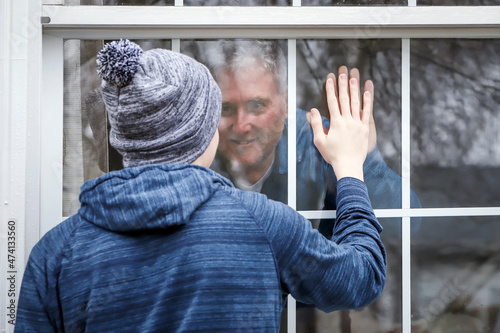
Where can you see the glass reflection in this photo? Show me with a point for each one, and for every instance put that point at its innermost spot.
(455, 147)
(353, 2)
(455, 269)
(252, 129)
(253, 148)
(138, 2)
(237, 2)
(458, 3)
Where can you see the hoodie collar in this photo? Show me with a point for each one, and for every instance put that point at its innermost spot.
(148, 197)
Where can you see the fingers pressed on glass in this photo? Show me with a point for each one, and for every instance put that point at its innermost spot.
(344, 70)
(331, 97)
(355, 98)
(335, 92)
(345, 104)
(314, 119)
(370, 88)
(367, 107)
(355, 74)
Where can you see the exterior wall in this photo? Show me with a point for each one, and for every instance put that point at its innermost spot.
(20, 60)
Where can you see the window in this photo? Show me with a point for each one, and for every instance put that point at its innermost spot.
(436, 115)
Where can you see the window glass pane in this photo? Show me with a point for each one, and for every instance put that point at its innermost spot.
(353, 2)
(138, 2)
(455, 147)
(120, 2)
(252, 129)
(237, 2)
(455, 270)
(384, 315)
(379, 61)
(87, 153)
(458, 2)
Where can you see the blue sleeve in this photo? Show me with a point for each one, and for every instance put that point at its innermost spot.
(38, 309)
(346, 273)
(32, 312)
(384, 189)
(384, 185)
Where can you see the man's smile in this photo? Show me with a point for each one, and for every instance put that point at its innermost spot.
(242, 142)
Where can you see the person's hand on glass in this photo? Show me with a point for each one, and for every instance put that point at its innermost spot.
(354, 73)
(345, 144)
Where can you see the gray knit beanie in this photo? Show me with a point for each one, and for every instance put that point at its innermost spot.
(163, 107)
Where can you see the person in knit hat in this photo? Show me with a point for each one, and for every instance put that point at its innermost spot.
(167, 245)
(163, 107)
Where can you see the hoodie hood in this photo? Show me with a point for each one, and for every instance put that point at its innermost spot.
(148, 197)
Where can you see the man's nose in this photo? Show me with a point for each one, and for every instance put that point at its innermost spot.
(242, 123)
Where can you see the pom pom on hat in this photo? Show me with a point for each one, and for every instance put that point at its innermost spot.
(117, 62)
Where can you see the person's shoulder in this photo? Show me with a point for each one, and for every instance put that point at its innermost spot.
(241, 196)
(257, 204)
(51, 246)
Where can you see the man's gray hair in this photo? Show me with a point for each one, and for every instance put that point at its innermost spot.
(234, 55)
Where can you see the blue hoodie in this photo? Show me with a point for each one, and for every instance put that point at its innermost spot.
(176, 248)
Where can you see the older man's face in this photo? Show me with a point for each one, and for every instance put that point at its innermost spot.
(253, 117)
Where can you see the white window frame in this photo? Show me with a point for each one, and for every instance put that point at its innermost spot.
(44, 166)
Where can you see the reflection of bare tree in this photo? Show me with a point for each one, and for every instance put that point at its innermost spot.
(352, 2)
(456, 275)
(237, 2)
(458, 123)
(138, 2)
(450, 310)
(455, 121)
(457, 2)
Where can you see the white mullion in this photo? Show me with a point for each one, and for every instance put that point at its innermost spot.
(181, 31)
(176, 42)
(292, 164)
(405, 175)
(406, 183)
(51, 133)
(292, 126)
(292, 156)
(458, 211)
(412, 212)
(103, 22)
(272, 16)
